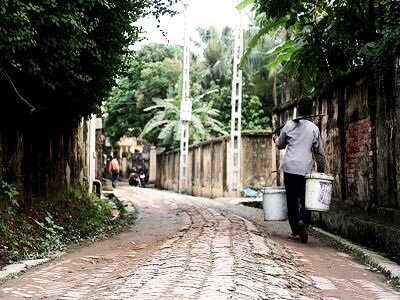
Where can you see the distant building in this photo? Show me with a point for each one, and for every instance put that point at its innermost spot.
(128, 145)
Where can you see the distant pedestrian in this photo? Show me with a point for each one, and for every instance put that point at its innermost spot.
(113, 169)
(303, 142)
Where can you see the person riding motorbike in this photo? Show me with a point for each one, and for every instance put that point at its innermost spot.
(134, 179)
(142, 177)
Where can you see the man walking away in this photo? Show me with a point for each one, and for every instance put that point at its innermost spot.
(303, 142)
(113, 169)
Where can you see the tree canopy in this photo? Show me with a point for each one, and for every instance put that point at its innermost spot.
(204, 123)
(62, 56)
(153, 73)
(326, 40)
(154, 76)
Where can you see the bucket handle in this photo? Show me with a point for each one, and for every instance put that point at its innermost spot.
(279, 174)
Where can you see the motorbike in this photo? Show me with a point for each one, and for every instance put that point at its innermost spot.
(142, 177)
(134, 179)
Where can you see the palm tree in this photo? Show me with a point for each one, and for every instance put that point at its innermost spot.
(217, 52)
(167, 120)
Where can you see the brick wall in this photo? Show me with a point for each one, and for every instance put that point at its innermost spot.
(362, 151)
(359, 155)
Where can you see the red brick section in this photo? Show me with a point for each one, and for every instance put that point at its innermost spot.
(359, 148)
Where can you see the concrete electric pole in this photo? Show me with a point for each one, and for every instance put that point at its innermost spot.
(186, 110)
(233, 171)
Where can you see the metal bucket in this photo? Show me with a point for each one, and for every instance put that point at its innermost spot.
(274, 203)
(318, 191)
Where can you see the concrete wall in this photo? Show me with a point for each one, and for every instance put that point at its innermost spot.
(42, 161)
(91, 151)
(99, 140)
(256, 160)
(208, 165)
(360, 130)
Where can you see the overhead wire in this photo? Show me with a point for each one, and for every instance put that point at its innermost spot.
(16, 91)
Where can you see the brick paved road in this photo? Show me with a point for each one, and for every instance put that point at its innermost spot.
(181, 248)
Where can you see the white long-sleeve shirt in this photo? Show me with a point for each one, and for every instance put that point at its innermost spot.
(302, 140)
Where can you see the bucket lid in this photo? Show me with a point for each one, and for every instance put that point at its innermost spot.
(316, 175)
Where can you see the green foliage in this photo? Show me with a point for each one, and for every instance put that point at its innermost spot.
(8, 198)
(63, 56)
(146, 99)
(217, 74)
(153, 73)
(253, 115)
(51, 234)
(242, 5)
(258, 79)
(326, 40)
(387, 46)
(218, 54)
(47, 226)
(152, 53)
(222, 102)
(8, 194)
(90, 213)
(166, 120)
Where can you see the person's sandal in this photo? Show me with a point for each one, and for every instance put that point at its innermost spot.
(294, 237)
(303, 232)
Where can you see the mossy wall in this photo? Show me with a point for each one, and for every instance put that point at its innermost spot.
(208, 165)
(43, 160)
(360, 128)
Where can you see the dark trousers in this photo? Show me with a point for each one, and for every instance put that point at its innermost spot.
(114, 178)
(295, 186)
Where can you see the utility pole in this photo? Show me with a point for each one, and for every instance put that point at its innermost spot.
(186, 110)
(234, 158)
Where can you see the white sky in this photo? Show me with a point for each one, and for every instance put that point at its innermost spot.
(203, 13)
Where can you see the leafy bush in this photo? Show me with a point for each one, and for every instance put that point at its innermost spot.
(8, 194)
(47, 226)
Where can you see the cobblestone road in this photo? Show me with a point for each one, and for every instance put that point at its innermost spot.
(181, 248)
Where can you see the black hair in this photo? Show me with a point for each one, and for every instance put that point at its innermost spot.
(304, 106)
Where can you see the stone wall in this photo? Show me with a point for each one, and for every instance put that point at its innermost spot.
(256, 160)
(362, 149)
(208, 166)
(100, 161)
(359, 160)
(42, 161)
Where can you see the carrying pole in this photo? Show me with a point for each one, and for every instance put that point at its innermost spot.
(298, 119)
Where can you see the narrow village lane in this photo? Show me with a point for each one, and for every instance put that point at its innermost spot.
(184, 247)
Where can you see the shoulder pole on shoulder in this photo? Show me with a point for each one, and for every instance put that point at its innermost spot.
(297, 119)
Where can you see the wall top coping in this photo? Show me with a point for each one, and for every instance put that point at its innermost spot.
(245, 133)
(227, 137)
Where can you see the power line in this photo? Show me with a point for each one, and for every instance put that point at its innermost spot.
(16, 90)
